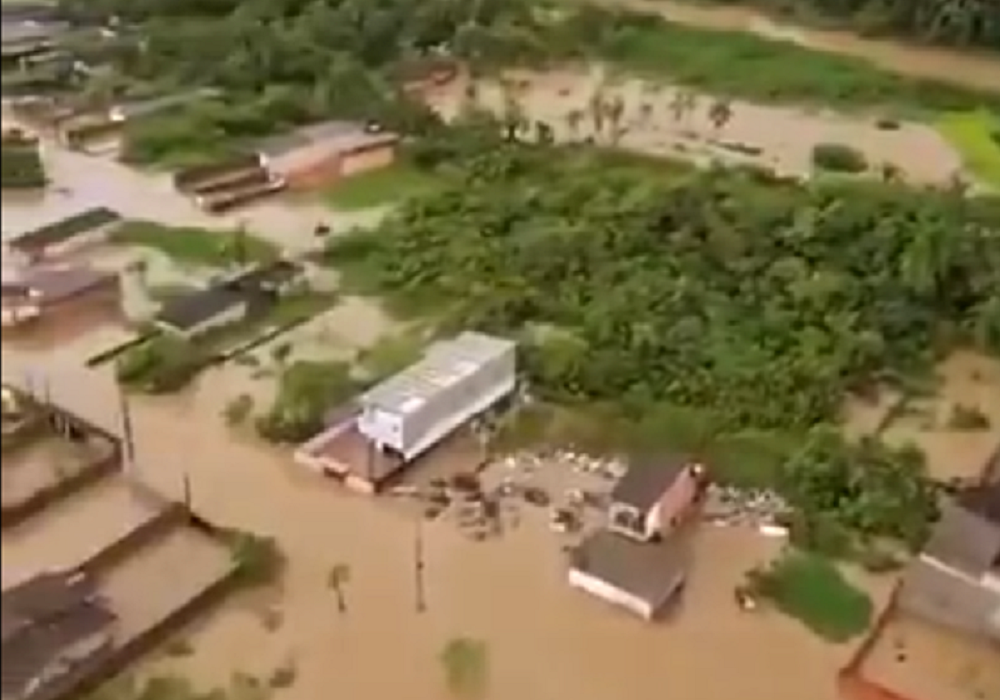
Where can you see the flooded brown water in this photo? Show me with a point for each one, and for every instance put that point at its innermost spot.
(545, 641)
(927, 663)
(511, 593)
(981, 71)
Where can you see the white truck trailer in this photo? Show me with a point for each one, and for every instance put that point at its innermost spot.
(456, 380)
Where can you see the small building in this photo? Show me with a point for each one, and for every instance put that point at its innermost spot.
(405, 417)
(35, 292)
(24, 37)
(955, 582)
(641, 577)
(67, 236)
(320, 154)
(654, 497)
(231, 300)
(638, 561)
(53, 624)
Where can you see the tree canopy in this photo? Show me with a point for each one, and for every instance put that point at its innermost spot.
(722, 311)
(765, 301)
(281, 63)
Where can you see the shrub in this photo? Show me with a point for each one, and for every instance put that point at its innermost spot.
(968, 418)
(306, 392)
(259, 561)
(22, 162)
(812, 590)
(238, 410)
(838, 158)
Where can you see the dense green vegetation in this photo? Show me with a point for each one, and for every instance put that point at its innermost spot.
(976, 135)
(720, 311)
(22, 162)
(964, 23)
(374, 188)
(306, 391)
(813, 591)
(290, 62)
(197, 246)
(167, 363)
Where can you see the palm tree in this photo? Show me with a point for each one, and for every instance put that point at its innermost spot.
(574, 118)
(614, 111)
(339, 577)
(719, 113)
(595, 107)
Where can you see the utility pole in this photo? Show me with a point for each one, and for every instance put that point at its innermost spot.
(128, 436)
(418, 566)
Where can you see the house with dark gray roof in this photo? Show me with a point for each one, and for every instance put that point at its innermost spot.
(639, 560)
(52, 624)
(231, 300)
(955, 582)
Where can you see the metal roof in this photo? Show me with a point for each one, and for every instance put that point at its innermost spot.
(444, 364)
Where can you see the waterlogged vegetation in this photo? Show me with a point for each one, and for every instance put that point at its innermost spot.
(976, 135)
(284, 63)
(199, 247)
(718, 311)
(813, 591)
(22, 162)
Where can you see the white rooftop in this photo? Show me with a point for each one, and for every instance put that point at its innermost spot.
(444, 364)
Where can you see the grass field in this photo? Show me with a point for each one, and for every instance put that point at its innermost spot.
(379, 187)
(976, 135)
(196, 246)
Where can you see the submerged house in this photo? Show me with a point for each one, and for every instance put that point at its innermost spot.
(245, 295)
(403, 418)
(637, 562)
(955, 582)
(54, 624)
(320, 154)
(66, 236)
(35, 292)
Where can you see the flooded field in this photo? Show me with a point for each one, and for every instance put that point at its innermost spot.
(780, 138)
(926, 663)
(167, 572)
(72, 530)
(44, 463)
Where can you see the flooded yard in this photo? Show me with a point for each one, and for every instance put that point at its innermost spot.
(779, 138)
(162, 575)
(969, 383)
(44, 463)
(926, 663)
(74, 529)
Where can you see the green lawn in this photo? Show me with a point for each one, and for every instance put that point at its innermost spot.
(976, 135)
(375, 188)
(814, 591)
(196, 246)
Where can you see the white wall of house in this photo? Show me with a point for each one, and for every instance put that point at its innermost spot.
(610, 593)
